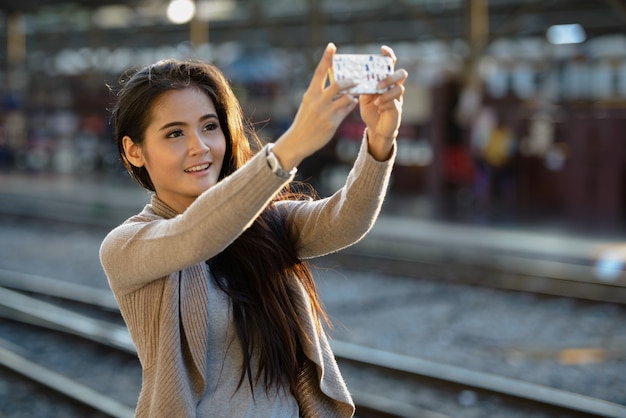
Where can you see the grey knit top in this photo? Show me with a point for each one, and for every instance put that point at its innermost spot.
(155, 265)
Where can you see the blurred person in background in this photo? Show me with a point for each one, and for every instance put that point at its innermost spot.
(211, 276)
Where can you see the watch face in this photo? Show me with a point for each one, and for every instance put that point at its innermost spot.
(275, 166)
(273, 162)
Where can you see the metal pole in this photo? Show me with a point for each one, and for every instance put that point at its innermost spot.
(317, 23)
(478, 33)
(198, 31)
(16, 40)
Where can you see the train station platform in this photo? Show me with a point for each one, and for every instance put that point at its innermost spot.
(519, 257)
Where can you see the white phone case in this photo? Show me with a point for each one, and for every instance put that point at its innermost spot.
(367, 70)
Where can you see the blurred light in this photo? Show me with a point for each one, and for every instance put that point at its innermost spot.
(468, 398)
(414, 153)
(116, 16)
(609, 266)
(555, 158)
(523, 79)
(566, 34)
(214, 9)
(181, 11)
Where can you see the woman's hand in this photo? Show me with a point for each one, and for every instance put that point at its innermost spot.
(382, 113)
(322, 110)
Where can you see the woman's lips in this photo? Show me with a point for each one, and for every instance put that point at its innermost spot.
(198, 168)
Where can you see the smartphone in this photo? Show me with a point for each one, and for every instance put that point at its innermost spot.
(366, 70)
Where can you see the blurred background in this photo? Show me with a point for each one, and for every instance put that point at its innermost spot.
(514, 109)
(499, 250)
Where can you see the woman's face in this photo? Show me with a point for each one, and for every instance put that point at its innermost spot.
(183, 146)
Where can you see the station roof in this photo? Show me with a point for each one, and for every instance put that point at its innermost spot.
(28, 6)
(390, 19)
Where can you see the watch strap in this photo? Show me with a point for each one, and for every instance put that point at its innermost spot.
(275, 166)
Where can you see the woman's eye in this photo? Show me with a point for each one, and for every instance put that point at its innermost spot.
(175, 134)
(210, 126)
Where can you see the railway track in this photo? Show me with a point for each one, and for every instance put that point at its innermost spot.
(21, 302)
(512, 260)
(563, 265)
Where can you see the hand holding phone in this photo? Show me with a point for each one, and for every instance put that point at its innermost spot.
(366, 70)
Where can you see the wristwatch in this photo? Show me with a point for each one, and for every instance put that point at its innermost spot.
(275, 166)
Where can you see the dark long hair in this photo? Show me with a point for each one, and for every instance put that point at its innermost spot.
(260, 270)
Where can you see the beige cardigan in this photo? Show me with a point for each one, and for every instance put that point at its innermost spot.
(155, 264)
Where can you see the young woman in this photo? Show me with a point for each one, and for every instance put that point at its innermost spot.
(210, 277)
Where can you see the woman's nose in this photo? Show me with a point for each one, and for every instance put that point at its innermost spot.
(198, 144)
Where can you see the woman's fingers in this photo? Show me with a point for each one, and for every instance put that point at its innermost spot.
(391, 98)
(387, 51)
(318, 82)
(398, 77)
(340, 87)
(343, 105)
(396, 92)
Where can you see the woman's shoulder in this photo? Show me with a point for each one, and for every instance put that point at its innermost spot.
(145, 216)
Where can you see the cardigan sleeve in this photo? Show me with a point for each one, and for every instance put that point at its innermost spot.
(148, 246)
(333, 223)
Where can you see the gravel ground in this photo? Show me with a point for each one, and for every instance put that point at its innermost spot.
(572, 345)
(518, 335)
(109, 371)
(20, 397)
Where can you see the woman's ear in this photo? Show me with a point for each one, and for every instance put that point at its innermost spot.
(133, 152)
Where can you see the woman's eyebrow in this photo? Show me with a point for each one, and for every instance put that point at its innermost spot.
(177, 123)
(172, 124)
(209, 116)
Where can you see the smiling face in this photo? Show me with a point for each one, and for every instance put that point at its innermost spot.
(183, 147)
